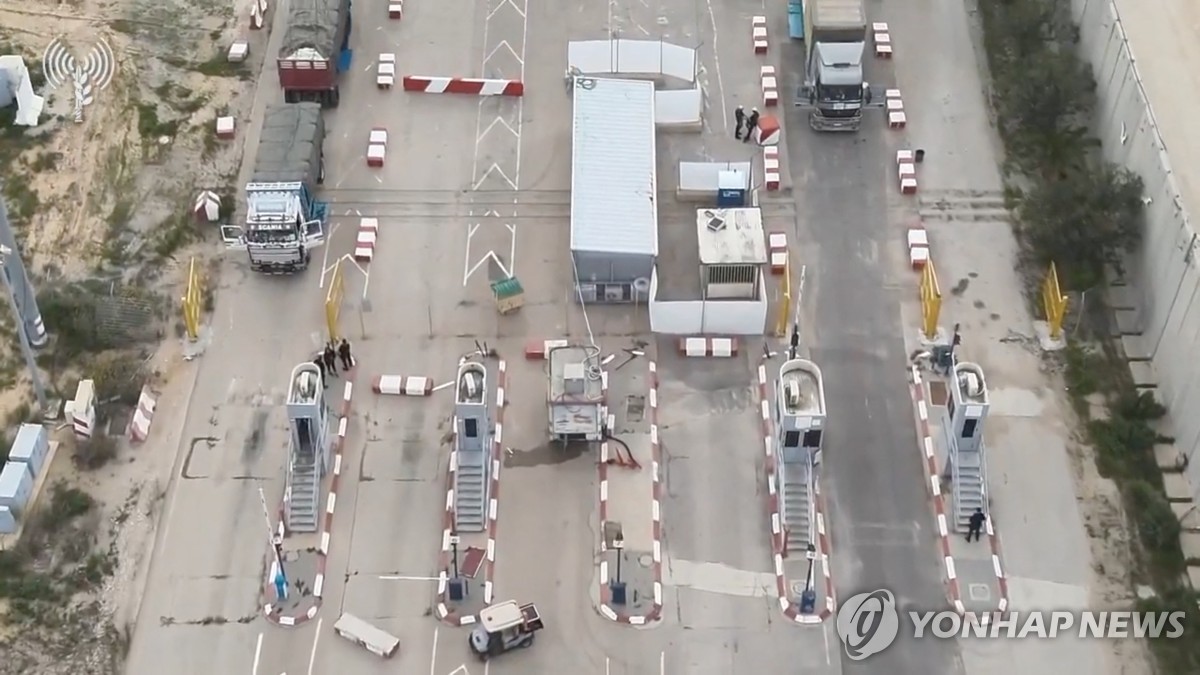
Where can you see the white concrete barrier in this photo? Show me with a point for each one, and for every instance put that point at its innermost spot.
(400, 385)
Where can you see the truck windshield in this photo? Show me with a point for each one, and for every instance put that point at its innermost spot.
(840, 93)
(282, 236)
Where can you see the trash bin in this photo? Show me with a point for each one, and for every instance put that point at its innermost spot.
(808, 602)
(618, 592)
(456, 588)
(919, 156)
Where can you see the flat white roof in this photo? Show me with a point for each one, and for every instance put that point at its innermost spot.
(614, 188)
(731, 237)
(501, 615)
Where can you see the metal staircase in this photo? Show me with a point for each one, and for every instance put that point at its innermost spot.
(304, 483)
(796, 495)
(969, 479)
(470, 492)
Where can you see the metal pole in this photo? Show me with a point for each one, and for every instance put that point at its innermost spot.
(454, 545)
(812, 558)
(620, 554)
(35, 377)
(275, 542)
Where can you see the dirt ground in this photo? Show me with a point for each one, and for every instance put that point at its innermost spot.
(110, 197)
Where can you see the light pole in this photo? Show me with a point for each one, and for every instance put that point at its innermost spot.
(35, 377)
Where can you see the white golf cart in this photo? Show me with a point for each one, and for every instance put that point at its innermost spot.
(504, 626)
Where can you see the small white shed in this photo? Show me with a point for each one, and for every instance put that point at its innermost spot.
(733, 251)
(30, 447)
(16, 486)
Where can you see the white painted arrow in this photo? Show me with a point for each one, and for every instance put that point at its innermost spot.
(506, 3)
(499, 120)
(503, 45)
(497, 169)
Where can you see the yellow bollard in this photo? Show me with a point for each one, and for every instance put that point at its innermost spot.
(931, 301)
(781, 323)
(333, 302)
(192, 302)
(1054, 302)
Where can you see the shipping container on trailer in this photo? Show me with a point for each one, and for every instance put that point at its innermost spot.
(315, 50)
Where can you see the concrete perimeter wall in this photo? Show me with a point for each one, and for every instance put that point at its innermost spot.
(1158, 312)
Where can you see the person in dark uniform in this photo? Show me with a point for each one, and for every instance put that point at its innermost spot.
(739, 115)
(330, 360)
(751, 122)
(975, 524)
(319, 362)
(343, 351)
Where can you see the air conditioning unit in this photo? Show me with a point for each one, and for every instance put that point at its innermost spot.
(971, 383)
(791, 394)
(614, 292)
(587, 292)
(574, 379)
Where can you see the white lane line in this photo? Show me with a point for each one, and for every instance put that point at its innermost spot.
(605, 658)
(433, 658)
(825, 639)
(257, 654)
(396, 577)
(662, 663)
(312, 658)
(717, 64)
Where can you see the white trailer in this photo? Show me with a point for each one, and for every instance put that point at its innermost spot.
(363, 634)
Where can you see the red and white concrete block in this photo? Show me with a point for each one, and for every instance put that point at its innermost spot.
(768, 132)
(897, 118)
(906, 176)
(539, 350)
(463, 85)
(395, 9)
(377, 147)
(366, 239)
(883, 40)
(385, 71)
(918, 247)
(777, 249)
(225, 127)
(143, 416)
(771, 169)
(402, 385)
(273, 613)
(444, 611)
(656, 513)
(933, 481)
(778, 537)
(698, 347)
(770, 86)
(758, 30)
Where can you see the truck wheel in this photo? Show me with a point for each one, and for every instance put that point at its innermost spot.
(334, 98)
(321, 172)
(290, 96)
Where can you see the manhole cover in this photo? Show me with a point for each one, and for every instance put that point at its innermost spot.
(646, 560)
(635, 408)
(979, 592)
(797, 588)
(937, 393)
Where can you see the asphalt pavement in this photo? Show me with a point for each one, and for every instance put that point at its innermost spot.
(852, 246)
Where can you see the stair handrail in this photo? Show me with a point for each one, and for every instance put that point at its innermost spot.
(812, 501)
